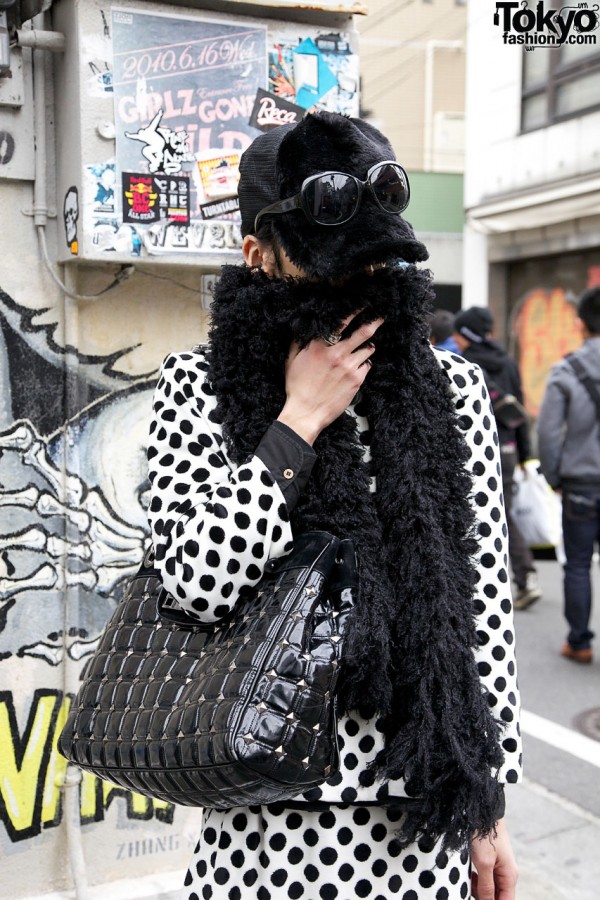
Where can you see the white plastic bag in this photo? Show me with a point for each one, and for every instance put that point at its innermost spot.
(536, 510)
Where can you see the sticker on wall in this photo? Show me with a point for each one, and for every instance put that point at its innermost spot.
(320, 72)
(337, 53)
(149, 198)
(190, 95)
(102, 177)
(312, 76)
(71, 217)
(164, 149)
(140, 197)
(7, 147)
(111, 236)
(103, 232)
(174, 197)
(281, 70)
(269, 111)
(101, 79)
(220, 208)
(96, 50)
(219, 175)
(199, 236)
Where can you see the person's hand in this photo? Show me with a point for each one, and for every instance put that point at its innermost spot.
(322, 379)
(495, 877)
(282, 87)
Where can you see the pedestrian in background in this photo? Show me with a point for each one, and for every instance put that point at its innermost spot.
(472, 331)
(442, 326)
(569, 441)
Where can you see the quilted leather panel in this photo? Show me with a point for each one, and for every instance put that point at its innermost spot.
(236, 713)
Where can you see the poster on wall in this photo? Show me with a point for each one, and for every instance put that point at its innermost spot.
(184, 91)
(319, 72)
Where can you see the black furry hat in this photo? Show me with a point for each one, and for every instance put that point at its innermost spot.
(274, 167)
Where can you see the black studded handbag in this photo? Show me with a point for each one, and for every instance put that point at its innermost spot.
(229, 714)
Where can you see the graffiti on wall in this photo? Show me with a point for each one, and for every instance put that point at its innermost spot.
(73, 493)
(546, 327)
(31, 771)
(77, 522)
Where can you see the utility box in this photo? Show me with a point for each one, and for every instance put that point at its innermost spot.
(155, 104)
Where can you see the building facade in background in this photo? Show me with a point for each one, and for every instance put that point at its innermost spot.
(532, 184)
(121, 128)
(413, 88)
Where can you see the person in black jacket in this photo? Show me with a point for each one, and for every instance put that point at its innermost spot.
(473, 328)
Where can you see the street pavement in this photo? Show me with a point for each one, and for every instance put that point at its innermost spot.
(554, 816)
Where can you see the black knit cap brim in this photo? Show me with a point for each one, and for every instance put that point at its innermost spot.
(276, 164)
(259, 186)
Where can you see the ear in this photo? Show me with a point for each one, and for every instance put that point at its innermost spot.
(260, 255)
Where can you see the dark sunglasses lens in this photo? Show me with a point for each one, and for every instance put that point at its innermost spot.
(332, 198)
(390, 186)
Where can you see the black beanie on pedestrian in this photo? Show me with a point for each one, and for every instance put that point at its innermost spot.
(475, 324)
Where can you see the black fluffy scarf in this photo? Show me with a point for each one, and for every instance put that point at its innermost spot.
(409, 650)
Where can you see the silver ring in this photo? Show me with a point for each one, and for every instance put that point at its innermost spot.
(332, 339)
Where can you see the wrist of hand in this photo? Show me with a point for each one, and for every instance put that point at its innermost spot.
(304, 426)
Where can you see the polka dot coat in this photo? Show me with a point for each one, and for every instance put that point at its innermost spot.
(344, 852)
(214, 525)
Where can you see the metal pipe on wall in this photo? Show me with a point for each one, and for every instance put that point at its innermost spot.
(41, 40)
(72, 780)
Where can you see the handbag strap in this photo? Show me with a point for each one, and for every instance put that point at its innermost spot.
(587, 381)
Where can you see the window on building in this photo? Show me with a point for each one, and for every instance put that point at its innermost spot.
(559, 84)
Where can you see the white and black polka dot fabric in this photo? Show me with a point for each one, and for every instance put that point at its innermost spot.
(342, 853)
(215, 525)
(493, 600)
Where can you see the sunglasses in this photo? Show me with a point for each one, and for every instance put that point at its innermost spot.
(333, 198)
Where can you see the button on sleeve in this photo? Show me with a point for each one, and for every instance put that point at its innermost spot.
(288, 458)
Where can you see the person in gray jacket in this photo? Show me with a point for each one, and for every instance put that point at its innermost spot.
(569, 446)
